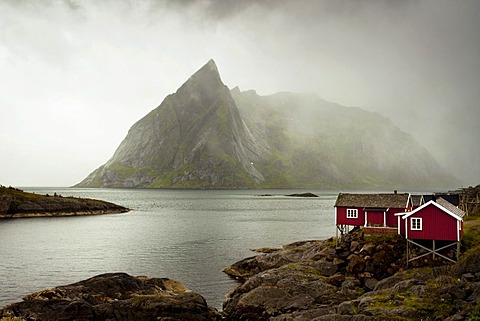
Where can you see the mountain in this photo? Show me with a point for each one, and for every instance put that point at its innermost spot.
(207, 136)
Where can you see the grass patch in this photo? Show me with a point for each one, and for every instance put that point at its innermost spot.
(471, 235)
(421, 307)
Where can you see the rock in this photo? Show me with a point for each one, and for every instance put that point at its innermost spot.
(350, 283)
(390, 281)
(336, 279)
(114, 296)
(293, 287)
(356, 264)
(406, 285)
(468, 277)
(354, 245)
(370, 283)
(452, 292)
(310, 252)
(267, 249)
(332, 317)
(325, 268)
(368, 248)
(328, 253)
(475, 292)
(348, 307)
(338, 261)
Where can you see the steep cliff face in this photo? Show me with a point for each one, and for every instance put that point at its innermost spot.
(206, 136)
(195, 138)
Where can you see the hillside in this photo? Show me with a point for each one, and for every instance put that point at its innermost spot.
(207, 136)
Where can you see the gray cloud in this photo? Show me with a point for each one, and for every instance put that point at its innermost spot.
(77, 74)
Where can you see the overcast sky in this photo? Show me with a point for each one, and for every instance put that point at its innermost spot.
(76, 75)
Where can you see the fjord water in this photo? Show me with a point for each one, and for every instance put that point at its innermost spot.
(187, 235)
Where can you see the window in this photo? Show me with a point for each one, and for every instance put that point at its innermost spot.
(416, 224)
(352, 213)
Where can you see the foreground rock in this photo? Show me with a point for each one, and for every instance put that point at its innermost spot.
(113, 296)
(15, 203)
(364, 278)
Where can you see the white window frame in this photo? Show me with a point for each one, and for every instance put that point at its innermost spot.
(416, 223)
(352, 213)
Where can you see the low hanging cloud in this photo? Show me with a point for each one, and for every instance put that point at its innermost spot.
(77, 74)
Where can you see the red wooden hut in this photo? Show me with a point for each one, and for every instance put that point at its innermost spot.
(370, 210)
(436, 221)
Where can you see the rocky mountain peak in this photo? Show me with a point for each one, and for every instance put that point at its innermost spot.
(206, 136)
(206, 78)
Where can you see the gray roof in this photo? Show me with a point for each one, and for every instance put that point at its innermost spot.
(449, 206)
(416, 200)
(373, 200)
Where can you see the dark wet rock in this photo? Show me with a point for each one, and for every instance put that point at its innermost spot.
(309, 251)
(292, 287)
(325, 268)
(114, 296)
(356, 264)
(348, 307)
(370, 283)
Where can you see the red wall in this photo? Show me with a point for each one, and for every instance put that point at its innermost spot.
(342, 216)
(436, 225)
(392, 220)
(375, 218)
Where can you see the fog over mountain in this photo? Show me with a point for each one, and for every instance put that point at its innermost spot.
(77, 74)
(206, 136)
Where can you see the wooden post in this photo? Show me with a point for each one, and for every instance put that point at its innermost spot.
(458, 250)
(407, 252)
(433, 252)
(336, 236)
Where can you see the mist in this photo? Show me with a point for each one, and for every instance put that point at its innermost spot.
(76, 75)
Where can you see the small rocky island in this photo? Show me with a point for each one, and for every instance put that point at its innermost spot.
(15, 203)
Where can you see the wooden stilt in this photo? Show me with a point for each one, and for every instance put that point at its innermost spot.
(433, 253)
(458, 250)
(336, 236)
(407, 252)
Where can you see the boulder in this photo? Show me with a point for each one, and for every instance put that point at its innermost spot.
(356, 264)
(293, 287)
(114, 296)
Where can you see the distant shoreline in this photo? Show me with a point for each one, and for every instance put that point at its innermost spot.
(63, 214)
(15, 203)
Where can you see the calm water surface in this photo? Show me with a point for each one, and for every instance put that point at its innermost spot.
(185, 235)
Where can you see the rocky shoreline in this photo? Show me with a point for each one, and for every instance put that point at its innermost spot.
(15, 203)
(362, 278)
